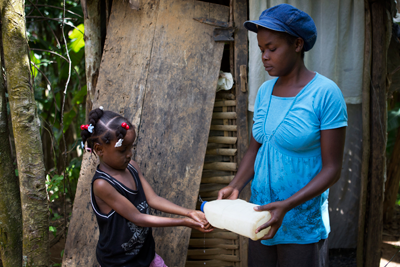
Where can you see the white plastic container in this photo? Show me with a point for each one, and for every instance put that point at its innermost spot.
(237, 216)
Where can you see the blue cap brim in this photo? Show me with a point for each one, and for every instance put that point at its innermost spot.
(251, 25)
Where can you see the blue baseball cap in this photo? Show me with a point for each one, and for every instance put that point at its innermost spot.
(287, 18)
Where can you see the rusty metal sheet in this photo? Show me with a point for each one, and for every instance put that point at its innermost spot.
(159, 69)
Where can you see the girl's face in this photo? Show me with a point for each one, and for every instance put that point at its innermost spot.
(278, 56)
(117, 157)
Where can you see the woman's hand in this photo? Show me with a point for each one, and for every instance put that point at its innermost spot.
(228, 192)
(278, 211)
(198, 226)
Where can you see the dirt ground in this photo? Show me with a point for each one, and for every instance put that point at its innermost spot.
(337, 257)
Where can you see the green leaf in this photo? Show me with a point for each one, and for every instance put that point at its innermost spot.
(35, 59)
(52, 229)
(80, 95)
(76, 36)
(68, 118)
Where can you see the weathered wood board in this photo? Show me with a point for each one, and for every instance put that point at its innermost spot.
(159, 69)
(177, 111)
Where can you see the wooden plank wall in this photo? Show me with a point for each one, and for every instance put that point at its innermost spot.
(159, 69)
(177, 111)
(220, 247)
(227, 144)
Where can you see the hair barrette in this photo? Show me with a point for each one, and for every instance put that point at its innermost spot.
(125, 125)
(90, 128)
(119, 143)
(85, 127)
(82, 145)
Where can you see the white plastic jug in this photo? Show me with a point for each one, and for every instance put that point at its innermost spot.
(237, 216)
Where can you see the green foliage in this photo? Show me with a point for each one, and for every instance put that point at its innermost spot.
(48, 52)
(36, 61)
(77, 41)
(56, 185)
(53, 230)
(393, 126)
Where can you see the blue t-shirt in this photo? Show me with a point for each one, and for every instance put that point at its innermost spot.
(290, 155)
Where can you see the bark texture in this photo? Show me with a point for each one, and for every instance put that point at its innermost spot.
(92, 50)
(28, 144)
(10, 203)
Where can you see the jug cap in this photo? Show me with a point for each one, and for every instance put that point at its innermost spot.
(202, 206)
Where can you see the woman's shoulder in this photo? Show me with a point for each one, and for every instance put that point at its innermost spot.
(268, 84)
(324, 84)
(322, 88)
(266, 87)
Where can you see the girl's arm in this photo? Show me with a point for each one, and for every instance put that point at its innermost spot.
(162, 204)
(244, 174)
(103, 190)
(332, 146)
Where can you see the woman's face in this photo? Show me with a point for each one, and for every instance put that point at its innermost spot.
(278, 56)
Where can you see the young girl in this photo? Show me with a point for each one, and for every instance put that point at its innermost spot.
(121, 197)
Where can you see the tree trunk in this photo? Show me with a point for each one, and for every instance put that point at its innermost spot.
(92, 50)
(28, 145)
(10, 202)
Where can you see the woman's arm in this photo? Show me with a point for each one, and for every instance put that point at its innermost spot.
(244, 173)
(332, 146)
(103, 190)
(162, 204)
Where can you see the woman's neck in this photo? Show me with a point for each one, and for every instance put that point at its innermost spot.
(299, 76)
(291, 84)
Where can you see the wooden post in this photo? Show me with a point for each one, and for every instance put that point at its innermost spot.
(366, 134)
(241, 57)
(371, 232)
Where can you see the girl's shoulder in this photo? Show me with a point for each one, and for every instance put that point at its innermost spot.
(134, 165)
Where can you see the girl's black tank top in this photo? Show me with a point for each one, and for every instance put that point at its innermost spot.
(121, 242)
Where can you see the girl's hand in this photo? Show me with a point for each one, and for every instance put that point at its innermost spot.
(228, 192)
(198, 216)
(198, 226)
(278, 211)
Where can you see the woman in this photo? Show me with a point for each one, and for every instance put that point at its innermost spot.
(296, 149)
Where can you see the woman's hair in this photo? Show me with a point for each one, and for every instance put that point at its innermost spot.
(291, 40)
(107, 127)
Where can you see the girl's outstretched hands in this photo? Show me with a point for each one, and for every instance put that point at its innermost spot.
(199, 216)
(189, 222)
(278, 211)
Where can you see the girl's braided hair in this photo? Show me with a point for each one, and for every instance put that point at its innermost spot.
(107, 127)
